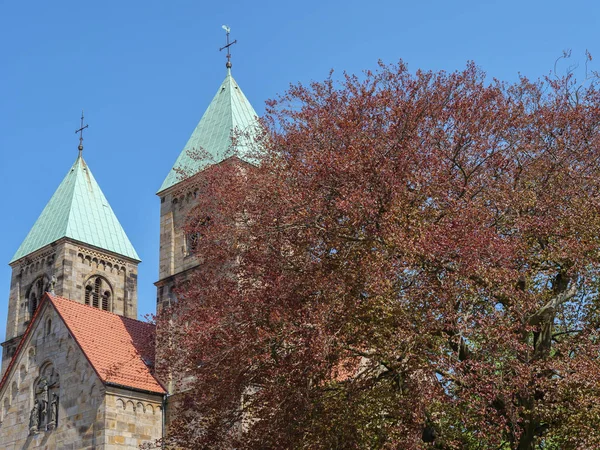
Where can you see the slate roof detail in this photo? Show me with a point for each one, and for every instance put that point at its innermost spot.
(211, 140)
(78, 210)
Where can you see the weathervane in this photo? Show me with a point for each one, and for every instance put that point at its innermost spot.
(80, 131)
(227, 30)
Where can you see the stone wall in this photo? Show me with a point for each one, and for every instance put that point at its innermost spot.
(83, 262)
(73, 265)
(176, 255)
(90, 414)
(40, 266)
(132, 418)
(176, 258)
(51, 353)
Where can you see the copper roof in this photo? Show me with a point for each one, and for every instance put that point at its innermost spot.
(78, 210)
(228, 112)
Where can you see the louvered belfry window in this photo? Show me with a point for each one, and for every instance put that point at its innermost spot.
(35, 294)
(98, 293)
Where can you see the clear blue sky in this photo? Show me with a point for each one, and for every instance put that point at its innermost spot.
(144, 71)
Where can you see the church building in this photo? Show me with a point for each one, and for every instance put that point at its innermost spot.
(77, 365)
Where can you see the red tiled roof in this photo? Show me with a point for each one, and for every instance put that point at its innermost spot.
(115, 346)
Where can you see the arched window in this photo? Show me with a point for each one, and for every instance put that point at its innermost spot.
(36, 291)
(31, 359)
(88, 294)
(45, 394)
(191, 243)
(98, 293)
(33, 303)
(105, 300)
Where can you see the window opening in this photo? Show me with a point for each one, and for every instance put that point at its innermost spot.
(192, 243)
(105, 300)
(98, 293)
(35, 294)
(88, 294)
(33, 304)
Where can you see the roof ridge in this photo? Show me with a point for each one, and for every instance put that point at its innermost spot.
(213, 132)
(143, 379)
(103, 311)
(79, 162)
(231, 87)
(78, 210)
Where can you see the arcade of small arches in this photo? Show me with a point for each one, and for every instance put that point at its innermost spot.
(138, 408)
(34, 266)
(102, 264)
(183, 198)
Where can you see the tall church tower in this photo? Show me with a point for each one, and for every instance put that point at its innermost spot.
(210, 143)
(76, 249)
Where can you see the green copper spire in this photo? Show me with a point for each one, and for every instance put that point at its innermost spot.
(78, 210)
(229, 110)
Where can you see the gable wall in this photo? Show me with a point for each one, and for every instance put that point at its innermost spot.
(72, 264)
(81, 417)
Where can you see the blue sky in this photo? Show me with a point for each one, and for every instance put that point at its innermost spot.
(144, 71)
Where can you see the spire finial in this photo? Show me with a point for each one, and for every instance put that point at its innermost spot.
(227, 31)
(80, 131)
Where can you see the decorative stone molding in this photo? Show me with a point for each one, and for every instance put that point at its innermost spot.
(102, 264)
(100, 256)
(30, 265)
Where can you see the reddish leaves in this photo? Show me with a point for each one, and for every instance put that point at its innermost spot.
(412, 252)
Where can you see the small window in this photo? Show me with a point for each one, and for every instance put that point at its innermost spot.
(33, 304)
(191, 243)
(88, 294)
(105, 300)
(98, 293)
(36, 291)
(31, 360)
(48, 327)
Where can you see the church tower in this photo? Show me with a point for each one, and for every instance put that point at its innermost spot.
(76, 249)
(210, 143)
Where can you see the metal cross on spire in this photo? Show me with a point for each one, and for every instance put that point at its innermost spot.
(80, 131)
(227, 30)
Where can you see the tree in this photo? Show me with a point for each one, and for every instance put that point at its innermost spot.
(412, 262)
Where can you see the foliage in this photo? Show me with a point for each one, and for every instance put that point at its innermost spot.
(411, 263)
